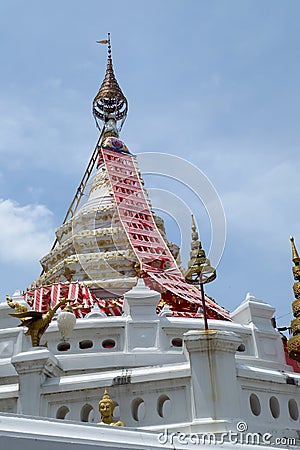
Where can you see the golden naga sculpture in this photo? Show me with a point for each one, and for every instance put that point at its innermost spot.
(36, 322)
(106, 409)
(15, 305)
(294, 341)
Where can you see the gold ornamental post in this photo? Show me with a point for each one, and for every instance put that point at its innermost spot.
(199, 270)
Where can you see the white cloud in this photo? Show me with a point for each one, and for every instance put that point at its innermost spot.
(26, 232)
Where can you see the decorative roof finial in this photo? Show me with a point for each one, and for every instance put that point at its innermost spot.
(294, 341)
(195, 235)
(110, 104)
(199, 268)
(295, 256)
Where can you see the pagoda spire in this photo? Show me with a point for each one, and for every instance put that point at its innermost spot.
(198, 265)
(295, 255)
(199, 269)
(110, 104)
(294, 341)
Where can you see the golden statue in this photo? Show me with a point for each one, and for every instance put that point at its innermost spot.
(106, 409)
(36, 322)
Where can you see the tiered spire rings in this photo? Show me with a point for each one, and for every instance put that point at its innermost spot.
(110, 102)
(294, 341)
(199, 268)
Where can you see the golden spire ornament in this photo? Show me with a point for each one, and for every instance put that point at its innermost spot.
(294, 341)
(198, 264)
(199, 271)
(110, 103)
(295, 256)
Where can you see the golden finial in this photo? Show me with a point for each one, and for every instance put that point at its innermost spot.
(295, 256)
(199, 268)
(294, 341)
(110, 103)
(195, 235)
(194, 228)
(106, 409)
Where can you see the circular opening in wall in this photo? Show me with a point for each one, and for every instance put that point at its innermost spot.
(63, 346)
(87, 413)
(85, 344)
(255, 405)
(241, 348)
(138, 409)
(164, 406)
(62, 412)
(293, 409)
(108, 343)
(274, 407)
(177, 342)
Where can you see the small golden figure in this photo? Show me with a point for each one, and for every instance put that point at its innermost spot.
(36, 322)
(106, 409)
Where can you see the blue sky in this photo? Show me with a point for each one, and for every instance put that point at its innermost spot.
(215, 82)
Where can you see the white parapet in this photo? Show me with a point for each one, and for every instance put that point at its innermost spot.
(267, 341)
(33, 367)
(213, 378)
